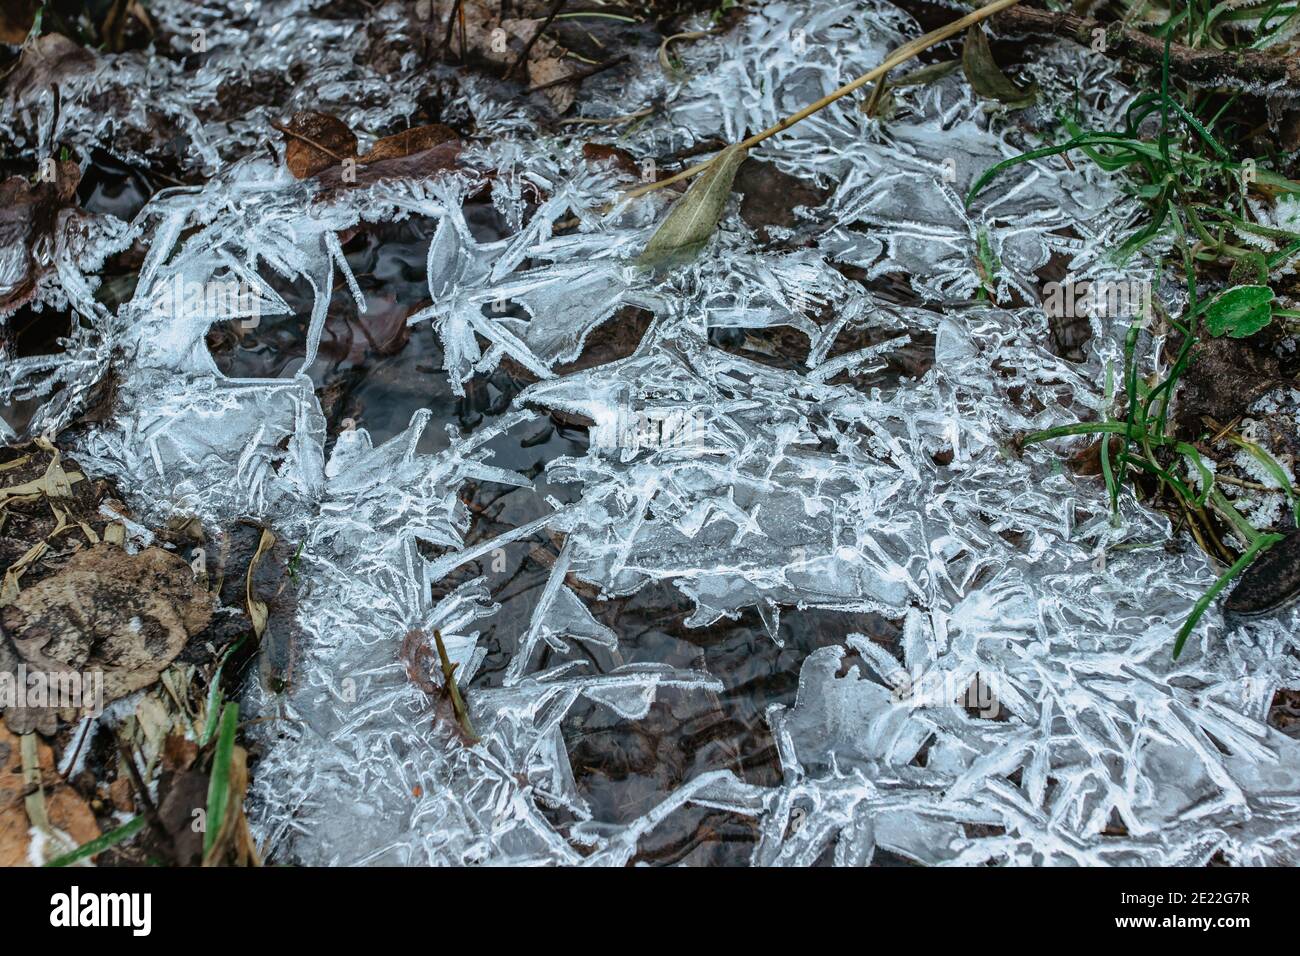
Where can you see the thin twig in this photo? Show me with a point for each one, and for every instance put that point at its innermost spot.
(451, 24)
(578, 75)
(528, 47)
(1206, 66)
(668, 41)
(901, 55)
(142, 791)
(310, 142)
(449, 681)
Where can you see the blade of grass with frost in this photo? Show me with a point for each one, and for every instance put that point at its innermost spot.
(99, 844)
(694, 217)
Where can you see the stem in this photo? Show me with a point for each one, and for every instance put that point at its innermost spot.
(1262, 543)
(901, 55)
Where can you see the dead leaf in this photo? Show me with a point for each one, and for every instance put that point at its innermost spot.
(122, 794)
(257, 610)
(122, 616)
(65, 810)
(315, 141)
(426, 164)
(602, 153)
(547, 69)
(16, 18)
(410, 141)
(986, 79)
(694, 217)
(31, 218)
(183, 803)
(49, 60)
(179, 753)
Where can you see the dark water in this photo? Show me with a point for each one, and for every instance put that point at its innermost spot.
(622, 767)
(378, 372)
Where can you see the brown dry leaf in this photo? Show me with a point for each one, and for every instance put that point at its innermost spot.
(410, 141)
(16, 18)
(122, 794)
(548, 69)
(316, 141)
(125, 616)
(179, 753)
(31, 217)
(257, 610)
(49, 60)
(183, 802)
(64, 808)
(426, 164)
(603, 153)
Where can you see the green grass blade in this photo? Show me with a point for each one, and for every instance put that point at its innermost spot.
(1273, 468)
(100, 844)
(1257, 547)
(219, 782)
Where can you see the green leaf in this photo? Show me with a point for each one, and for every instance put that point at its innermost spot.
(694, 217)
(1240, 311)
(1257, 547)
(986, 79)
(219, 782)
(99, 844)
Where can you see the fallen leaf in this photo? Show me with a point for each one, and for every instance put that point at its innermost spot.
(426, 164)
(50, 60)
(315, 141)
(16, 18)
(547, 69)
(66, 811)
(257, 610)
(183, 801)
(179, 753)
(122, 794)
(122, 616)
(694, 216)
(985, 77)
(621, 159)
(410, 141)
(31, 218)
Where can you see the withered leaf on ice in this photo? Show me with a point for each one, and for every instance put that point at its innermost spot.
(124, 615)
(31, 216)
(316, 141)
(694, 216)
(410, 141)
(986, 78)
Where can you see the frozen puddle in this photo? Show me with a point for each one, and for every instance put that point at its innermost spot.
(748, 488)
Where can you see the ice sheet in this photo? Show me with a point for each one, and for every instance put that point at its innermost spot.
(742, 485)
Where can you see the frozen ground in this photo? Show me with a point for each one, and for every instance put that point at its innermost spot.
(832, 489)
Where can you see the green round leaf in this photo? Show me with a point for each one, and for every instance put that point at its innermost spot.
(1240, 311)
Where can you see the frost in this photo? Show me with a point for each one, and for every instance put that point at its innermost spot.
(1029, 713)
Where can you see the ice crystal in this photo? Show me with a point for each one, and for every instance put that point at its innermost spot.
(1029, 713)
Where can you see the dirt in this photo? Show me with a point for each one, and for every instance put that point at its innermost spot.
(1225, 377)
